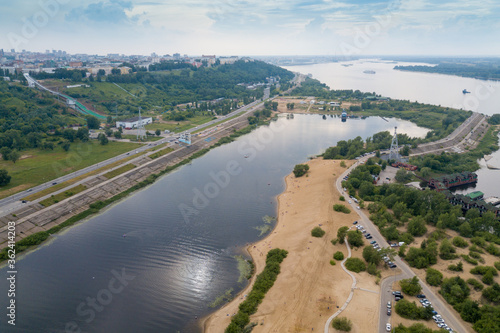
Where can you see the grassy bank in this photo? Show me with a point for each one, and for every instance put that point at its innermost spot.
(263, 283)
(36, 166)
(63, 195)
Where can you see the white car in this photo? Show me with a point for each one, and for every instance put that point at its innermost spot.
(350, 201)
(388, 327)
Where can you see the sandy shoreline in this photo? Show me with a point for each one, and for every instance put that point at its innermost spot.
(309, 289)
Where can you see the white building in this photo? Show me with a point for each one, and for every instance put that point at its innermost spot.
(133, 122)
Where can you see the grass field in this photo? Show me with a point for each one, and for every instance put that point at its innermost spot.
(39, 166)
(119, 171)
(63, 195)
(232, 117)
(180, 126)
(62, 185)
(161, 153)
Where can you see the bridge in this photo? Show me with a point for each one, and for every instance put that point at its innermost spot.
(69, 100)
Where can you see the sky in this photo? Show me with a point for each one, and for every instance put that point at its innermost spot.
(253, 27)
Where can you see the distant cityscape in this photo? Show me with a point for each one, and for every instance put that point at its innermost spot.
(28, 61)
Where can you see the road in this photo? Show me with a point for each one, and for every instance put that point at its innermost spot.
(402, 272)
(13, 202)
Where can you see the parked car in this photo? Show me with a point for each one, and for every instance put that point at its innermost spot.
(393, 266)
(369, 237)
(355, 222)
(388, 312)
(389, 304)
(420, 296)
(396, 293)
(388, 327)
(373, 242)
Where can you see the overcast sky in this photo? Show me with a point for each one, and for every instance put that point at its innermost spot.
(253, 27)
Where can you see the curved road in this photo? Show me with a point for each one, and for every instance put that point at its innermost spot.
(329, 321)
(438, 303)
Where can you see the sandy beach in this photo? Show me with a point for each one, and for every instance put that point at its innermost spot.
(309, 288)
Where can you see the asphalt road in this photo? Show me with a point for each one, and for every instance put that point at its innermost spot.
(403, 271)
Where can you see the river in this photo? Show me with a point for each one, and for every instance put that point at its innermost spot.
(436, 89)
(154, 261)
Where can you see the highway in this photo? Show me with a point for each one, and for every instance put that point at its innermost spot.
(14, 202)
(403, 271)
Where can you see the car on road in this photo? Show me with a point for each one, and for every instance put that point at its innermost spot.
(388, 327)
(24, 201)
(54, 183)
(128, 153)
(29, 190)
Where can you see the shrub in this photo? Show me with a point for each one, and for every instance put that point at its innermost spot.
(497, 265)
(459, 242)
(433, 277)
(410, 310)
(410, 286)
(469, 259)
(341, 234)
(317, 232)
(454, 290)
(372, 269)
(446, 250)
(488, 278)
(475, 284)
(332, 262)
(342, 324)
(483, 270)
(355, 238)
(341, 208)
(355, 265)
(342, 198)
(300, 170)
(338, 255)
(492, 294)
(457, 268)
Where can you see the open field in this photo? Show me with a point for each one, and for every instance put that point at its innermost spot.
(39, 166)
(63, 195)
(178, 126)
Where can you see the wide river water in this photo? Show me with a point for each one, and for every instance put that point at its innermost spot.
(171, 266)
(141, 266)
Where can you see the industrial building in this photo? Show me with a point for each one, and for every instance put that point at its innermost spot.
(133, 122)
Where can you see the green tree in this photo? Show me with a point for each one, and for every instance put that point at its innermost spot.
(355, 265)
(117, 134)
(338, 255)
(410, 286)
(454, 290)
(434, 277)
(103, 140)
(14, 156)
(4, 177)
(158, 132)
(492, 294)
(5, 151)
(355, 238)
(416, 227)
(460, 242)
(108, 132)
(371, 255)
(65, 145)
(342, 324)
(300, 170)
(403, 176)
(447, 250)
(425, 172)
(317, 232)
(341, 234)
(92, 122)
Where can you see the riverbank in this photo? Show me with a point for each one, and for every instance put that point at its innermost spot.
(35, 224)
(308, 289)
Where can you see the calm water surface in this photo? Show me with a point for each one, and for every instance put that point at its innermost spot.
(169, 267)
